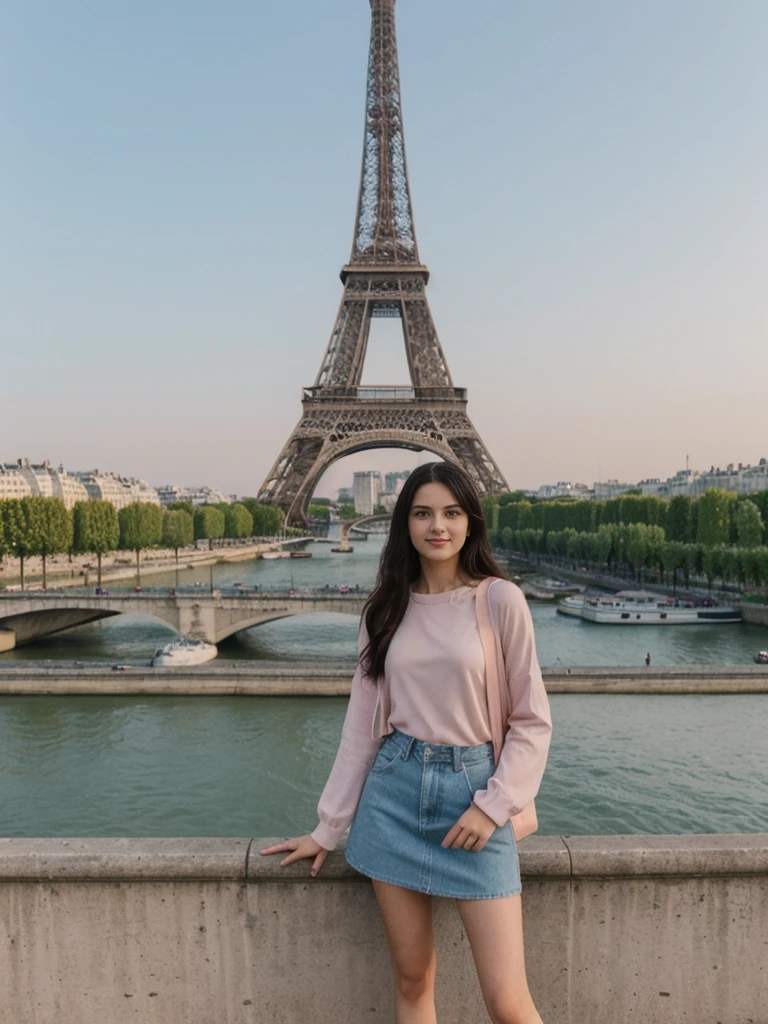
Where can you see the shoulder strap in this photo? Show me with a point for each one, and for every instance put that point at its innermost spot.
(493, 684)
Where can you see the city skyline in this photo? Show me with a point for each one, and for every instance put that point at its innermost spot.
(597, 241)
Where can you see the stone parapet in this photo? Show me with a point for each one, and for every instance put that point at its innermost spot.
(191, 931)
(270, 679)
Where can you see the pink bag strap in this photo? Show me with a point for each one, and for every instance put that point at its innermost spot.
(493, 683)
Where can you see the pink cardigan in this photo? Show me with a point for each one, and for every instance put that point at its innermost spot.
(523, 756)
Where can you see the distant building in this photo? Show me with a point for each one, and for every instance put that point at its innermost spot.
(563, 489)
(12, 483)
(393, 482)
(608, 489)
(346, 496)
(117, 489)
(388, 501)
(169, 493)
(26, 479)
(366, 487)
(741, 479)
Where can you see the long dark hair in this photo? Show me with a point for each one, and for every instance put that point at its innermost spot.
(400, 564)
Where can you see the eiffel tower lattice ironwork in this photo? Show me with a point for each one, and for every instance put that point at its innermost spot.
(384, 278)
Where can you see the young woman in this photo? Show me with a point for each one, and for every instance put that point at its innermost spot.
(428, 807)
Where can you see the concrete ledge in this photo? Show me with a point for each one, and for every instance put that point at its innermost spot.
(112, 859)
(615, 856)
(623, 856)
(313, 680)
(644, 928)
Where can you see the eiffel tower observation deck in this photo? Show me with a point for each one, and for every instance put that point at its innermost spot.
(384, 278)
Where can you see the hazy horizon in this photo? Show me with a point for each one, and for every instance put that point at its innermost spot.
(589, 191)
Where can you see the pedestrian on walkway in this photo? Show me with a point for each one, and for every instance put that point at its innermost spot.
(648, 659)
(434, 808)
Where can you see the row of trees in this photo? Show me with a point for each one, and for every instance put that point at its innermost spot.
(38, 526)
(636, 547)
(717, 517)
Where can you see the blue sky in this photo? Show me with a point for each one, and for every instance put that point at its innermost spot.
(179, 190)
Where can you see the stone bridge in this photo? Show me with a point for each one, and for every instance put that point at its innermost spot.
(204, 616)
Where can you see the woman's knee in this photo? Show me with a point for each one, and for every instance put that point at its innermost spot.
(513, 1010)
(416, 980)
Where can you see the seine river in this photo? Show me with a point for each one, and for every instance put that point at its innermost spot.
(254, 766)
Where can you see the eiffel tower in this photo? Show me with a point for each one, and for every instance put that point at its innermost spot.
(384, 278)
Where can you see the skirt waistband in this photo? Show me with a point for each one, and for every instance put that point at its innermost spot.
(436, 752)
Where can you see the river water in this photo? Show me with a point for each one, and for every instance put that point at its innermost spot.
(254, 766)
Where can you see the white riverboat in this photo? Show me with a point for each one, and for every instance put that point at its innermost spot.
(641, 608)
(571, 605)
(183, 652)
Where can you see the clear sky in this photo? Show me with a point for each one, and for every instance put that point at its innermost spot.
(178, 195)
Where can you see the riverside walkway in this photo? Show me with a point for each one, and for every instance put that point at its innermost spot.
(195, 612)
(310, 679)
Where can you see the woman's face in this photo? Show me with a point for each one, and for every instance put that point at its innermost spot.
(437, 524)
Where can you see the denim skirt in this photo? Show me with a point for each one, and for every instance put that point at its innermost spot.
(414, 793)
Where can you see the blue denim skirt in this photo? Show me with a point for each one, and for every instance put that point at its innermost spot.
(414, 793)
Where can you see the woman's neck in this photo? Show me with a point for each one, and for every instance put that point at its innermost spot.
(437, 579)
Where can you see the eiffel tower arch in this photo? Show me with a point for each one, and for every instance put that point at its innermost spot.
(384, 278)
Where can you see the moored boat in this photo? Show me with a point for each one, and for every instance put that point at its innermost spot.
(762, 657)
(571, 605)
(184, 651)
(641, 608)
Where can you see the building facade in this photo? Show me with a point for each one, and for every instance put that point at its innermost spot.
(117, 489)
(366, 487)
(169, 493)
(40, 480)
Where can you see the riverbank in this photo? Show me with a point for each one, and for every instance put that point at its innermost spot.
(313, 680)
(82, 571)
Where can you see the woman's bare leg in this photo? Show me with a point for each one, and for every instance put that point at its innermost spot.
(408, 923)
(495, 932)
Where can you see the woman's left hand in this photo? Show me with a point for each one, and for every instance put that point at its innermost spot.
(472, 831)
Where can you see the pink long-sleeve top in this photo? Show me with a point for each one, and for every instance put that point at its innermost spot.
(435, 690)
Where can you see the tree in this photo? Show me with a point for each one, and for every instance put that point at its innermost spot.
(347, 511)
(678, 515)
(141, 526)
(54, 529)
(510, 497)
(760, 498)
(18, 531)
(490, 506)
(181, 506)
(267, 519)
(636, 546)
(319, 512)
(178, 529)
(238, 521)
(209, 523)
(96, 529)
(749, 524)
(714, 517)
(673, 558)
(710, 563)
(693, 522)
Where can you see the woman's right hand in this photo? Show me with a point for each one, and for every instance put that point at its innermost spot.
(301, 847)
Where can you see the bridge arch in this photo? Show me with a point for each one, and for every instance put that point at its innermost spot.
(363, 441)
